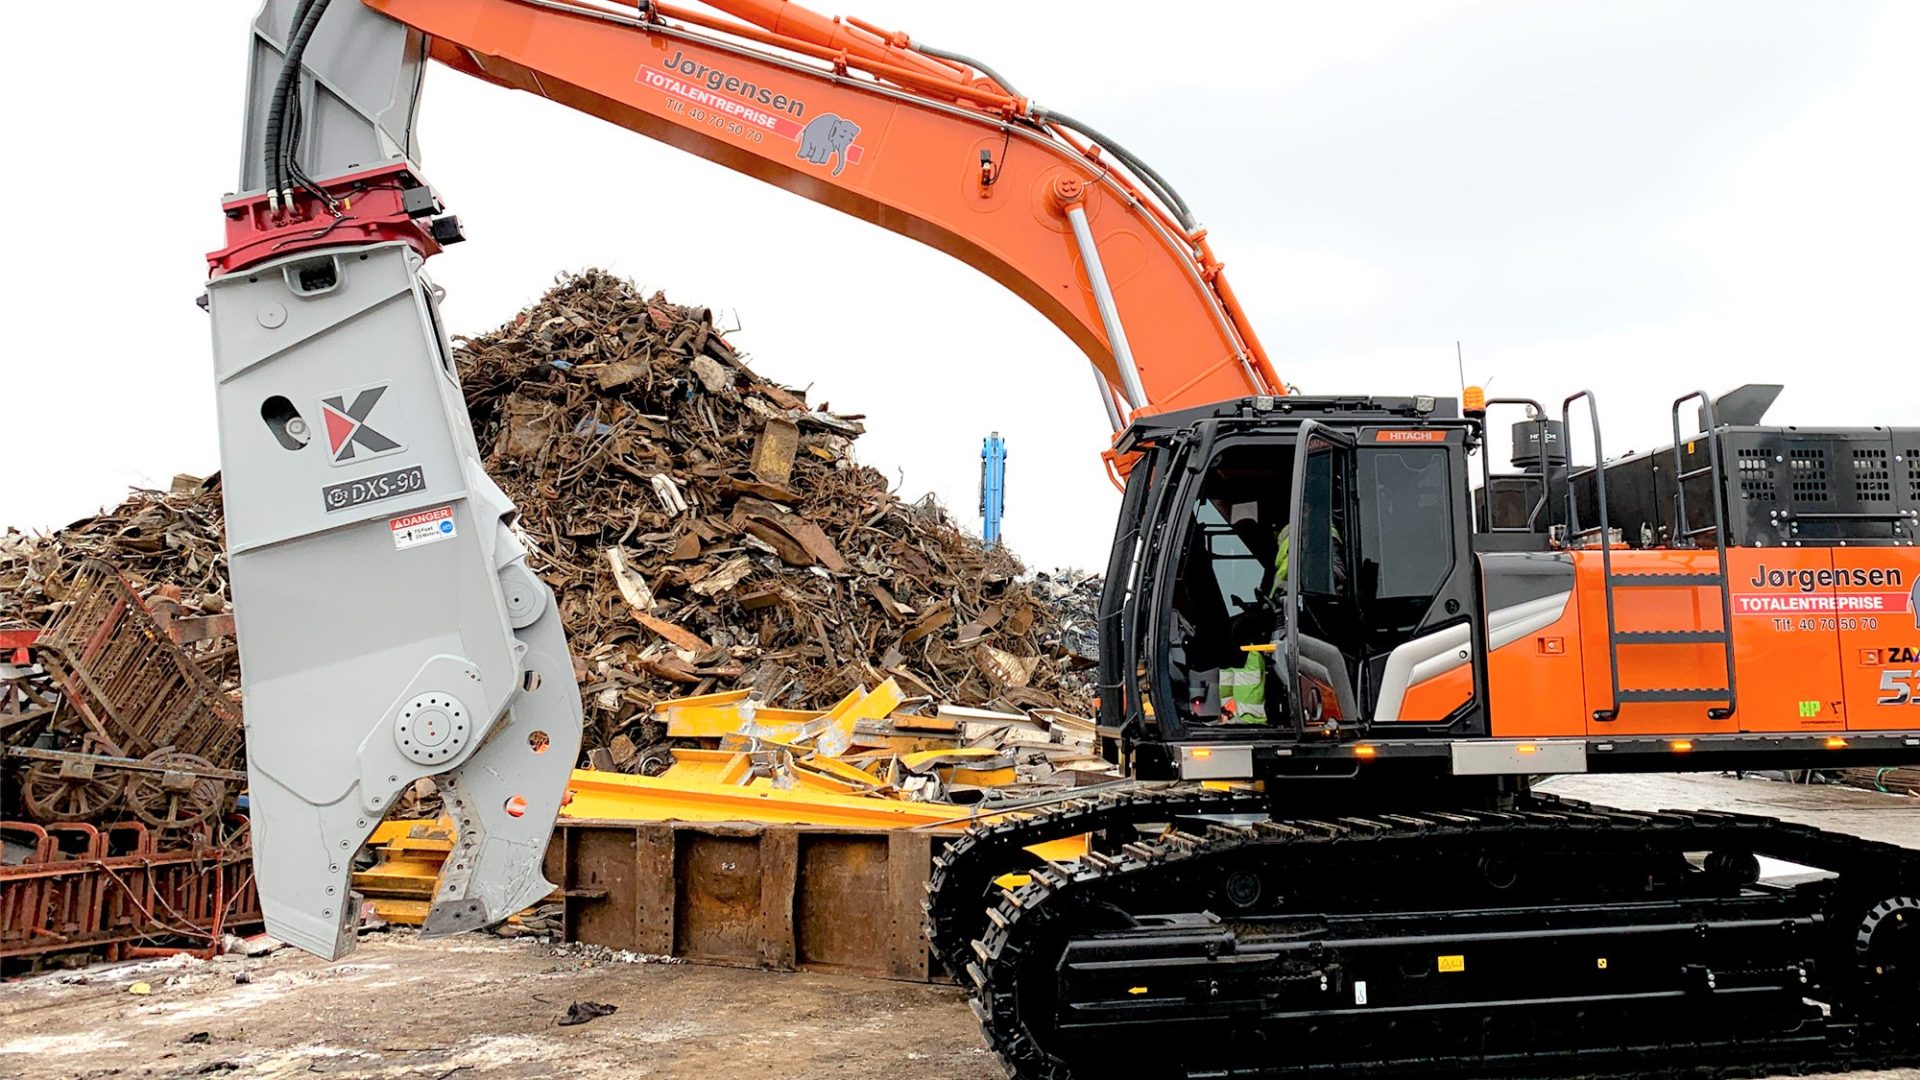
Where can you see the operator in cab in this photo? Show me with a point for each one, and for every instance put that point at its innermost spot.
(1243, 690)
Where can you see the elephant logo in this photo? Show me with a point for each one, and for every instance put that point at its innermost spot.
(824, 137)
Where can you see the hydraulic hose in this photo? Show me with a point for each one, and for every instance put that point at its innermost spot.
(296, 55)
(277, 149)
(277, 106)
(1154, 181)
(976, 65)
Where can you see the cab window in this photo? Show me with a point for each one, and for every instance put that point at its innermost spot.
(1406, 531)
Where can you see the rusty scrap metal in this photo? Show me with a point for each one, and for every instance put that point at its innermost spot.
(173, 537)
(703, 528)
(707, 529)
(130, 691)
(126, 763)
(128, 679)
(75, 888)
(842, 898)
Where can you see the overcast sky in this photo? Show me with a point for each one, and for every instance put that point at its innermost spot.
(1635, 197)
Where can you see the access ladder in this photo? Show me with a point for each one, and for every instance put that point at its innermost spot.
(1724, 698)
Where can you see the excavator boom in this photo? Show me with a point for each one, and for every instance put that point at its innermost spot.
(391, 626)
(871, 125)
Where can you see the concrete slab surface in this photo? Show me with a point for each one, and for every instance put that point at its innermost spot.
(478, 1006)
(1875, 815)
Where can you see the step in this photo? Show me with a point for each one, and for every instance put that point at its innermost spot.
(1669, 637)
(1663, 581)
(1675, 694)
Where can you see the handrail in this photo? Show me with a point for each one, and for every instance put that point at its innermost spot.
(1606, 532)
(1683, 528)
(1537, 414)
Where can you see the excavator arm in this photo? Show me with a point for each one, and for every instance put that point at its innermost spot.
(389, 625)
(863, 122)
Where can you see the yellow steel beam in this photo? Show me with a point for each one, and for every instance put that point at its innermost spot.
(850, 774)
(737, 770)
(401, 884)
(388, 831)
(718, 721)
(874, 705)
(983, 777)
(617, 796)
(398, 912)
(922, 760)
(608, 796)
(725, 697)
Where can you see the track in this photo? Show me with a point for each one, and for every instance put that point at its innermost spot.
(961, 888)
(1554, 939)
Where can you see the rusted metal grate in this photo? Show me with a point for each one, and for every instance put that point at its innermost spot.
(130, 682)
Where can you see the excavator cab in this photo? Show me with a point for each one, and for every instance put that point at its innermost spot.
(1290, 575)
(1333, 588)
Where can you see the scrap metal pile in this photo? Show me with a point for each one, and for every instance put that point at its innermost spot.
(708, 530)
(1074, 598)
(705, 529)
(118, 696)
(171, 537)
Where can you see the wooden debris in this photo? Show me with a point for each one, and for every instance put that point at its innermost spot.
(773, 451)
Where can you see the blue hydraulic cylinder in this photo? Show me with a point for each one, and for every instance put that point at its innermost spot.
(993, 487)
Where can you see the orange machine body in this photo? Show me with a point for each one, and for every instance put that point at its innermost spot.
(1824, 640)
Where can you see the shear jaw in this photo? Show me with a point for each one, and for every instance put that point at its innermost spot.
(503, 800)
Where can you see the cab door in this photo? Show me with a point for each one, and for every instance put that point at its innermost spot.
(1320, 619)
(1414, 579)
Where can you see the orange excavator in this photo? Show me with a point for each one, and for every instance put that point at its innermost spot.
(1335, 655)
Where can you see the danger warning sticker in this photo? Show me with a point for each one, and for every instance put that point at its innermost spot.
(425, 527)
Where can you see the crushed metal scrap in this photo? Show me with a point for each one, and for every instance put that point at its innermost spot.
(173, 537)
(874, 742)
(706, 531)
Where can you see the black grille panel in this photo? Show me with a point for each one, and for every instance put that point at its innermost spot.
(1788, 486)
(1808, 467)
(1756, 473)
(1873, 474)
(1782, 486)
